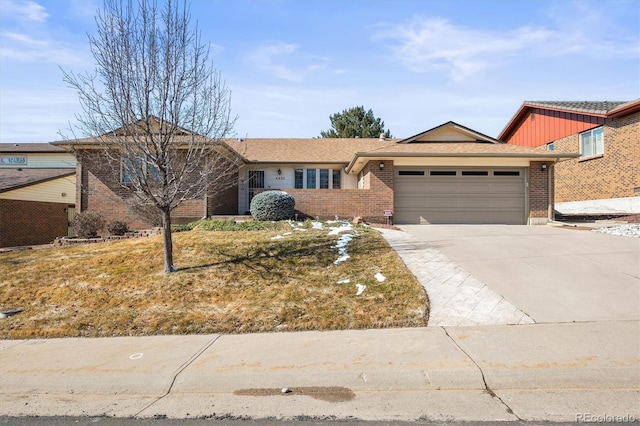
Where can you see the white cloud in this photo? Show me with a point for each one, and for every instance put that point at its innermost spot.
(23, 48)
(435, 44)
(275, 58)
(572, 29)
(23, 10)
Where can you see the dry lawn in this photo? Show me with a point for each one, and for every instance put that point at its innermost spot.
(228, 282)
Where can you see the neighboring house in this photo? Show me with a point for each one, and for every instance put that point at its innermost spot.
(37, 193)
(605, 177)
(448, 174)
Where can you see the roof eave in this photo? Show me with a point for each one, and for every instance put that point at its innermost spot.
(392, 155)
(625, 109)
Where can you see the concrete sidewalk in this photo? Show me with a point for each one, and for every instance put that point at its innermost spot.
(532, 372)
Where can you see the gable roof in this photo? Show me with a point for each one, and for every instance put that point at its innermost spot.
(466, 134)
(601, 109)
(11, 179)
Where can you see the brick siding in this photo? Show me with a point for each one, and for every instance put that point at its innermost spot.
(539, 190)
(25, 223)
(368, 203)
(100, 190)
(615, 174)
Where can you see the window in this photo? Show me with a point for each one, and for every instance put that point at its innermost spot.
(337, 179)
(475, 173)
(442, 173)
(592, 142)
(410, 173)
(324, 178)
(311, 178)
(550, 146)
(130, 169)
(127, 170)
(298, 179)
(506, 173)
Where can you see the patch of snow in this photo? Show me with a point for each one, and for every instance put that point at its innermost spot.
(341, 259)
(346, 226)
(277, 237)
(316, 225)
(380, 277)
(344, 281)
(287, 233)
(300, 229)
(360, 288)
(630, 230)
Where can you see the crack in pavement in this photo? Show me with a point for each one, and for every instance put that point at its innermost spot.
(484, 380)
(183, 367)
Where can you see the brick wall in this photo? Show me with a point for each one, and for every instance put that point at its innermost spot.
(101, 191)
(615, 174)
(24, 223)
(368, 203)
(539, 190)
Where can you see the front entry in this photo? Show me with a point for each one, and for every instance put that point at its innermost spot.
(256, 182)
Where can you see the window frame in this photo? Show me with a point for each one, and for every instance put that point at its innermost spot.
(298, 178)
(336, 179)
(323, 179)
(311, 177)
(596, 144)
(150, 172)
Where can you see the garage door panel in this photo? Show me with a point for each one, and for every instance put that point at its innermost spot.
(481, 196)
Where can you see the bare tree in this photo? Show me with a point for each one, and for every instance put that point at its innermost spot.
(156, 107)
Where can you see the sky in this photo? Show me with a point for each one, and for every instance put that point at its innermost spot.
(290, 64)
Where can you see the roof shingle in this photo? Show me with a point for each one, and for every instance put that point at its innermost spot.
(588, 107)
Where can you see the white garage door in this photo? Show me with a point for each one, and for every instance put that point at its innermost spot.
(460, 195)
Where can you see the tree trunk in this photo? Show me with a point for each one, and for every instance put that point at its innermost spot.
(168, 242)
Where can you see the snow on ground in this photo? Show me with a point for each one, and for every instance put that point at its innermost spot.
(360, 288)
(630, 230)
(380, 277)
(344, 227)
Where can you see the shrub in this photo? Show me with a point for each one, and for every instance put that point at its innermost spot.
(118, 227)
(87, 224)
(272, 205)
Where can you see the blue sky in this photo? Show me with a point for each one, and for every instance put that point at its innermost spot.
(291, 64)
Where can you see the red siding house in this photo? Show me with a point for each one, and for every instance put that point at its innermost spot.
(605, 178)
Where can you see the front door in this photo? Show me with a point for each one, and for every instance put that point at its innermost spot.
(256, 181)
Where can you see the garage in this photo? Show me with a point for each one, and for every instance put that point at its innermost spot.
(460, 195)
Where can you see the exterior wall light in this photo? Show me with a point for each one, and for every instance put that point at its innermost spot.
(543, 167)
(381, 165)
(279, 171)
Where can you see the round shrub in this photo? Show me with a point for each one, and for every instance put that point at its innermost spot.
(118, 227)
(87, 224)
(272, 205)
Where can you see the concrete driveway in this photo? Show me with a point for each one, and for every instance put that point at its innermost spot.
(552, 274)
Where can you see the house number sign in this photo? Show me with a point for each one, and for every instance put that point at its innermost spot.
(13, 160)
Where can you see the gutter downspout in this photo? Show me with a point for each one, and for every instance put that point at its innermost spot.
(550, 194)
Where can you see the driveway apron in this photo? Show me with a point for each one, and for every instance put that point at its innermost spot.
(550, 274)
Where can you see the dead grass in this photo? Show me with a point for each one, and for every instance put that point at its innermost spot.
(228, 282)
